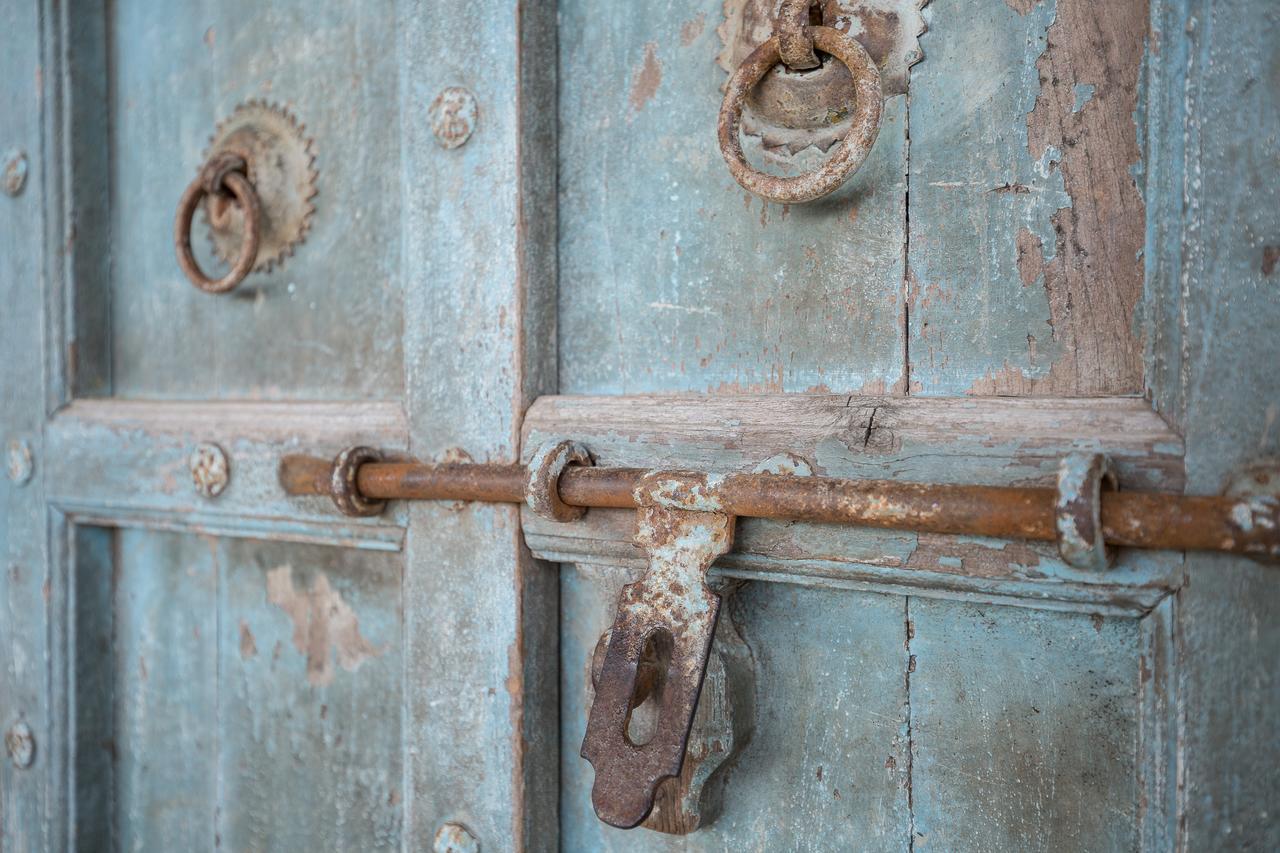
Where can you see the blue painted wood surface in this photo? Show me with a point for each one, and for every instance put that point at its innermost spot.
(1070, 200)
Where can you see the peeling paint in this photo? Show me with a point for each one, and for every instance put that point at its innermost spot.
(1270, 257)
(692, 29)
(1060, 218)
(324, 625)
(646, 80)
(1084, 94)
(248, 647)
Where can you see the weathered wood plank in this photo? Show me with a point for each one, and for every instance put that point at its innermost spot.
(165, 735)
(1214, 355)
(674, 278)
(309, 686)
(113, 461)
(965, 440)
(1158, 728)
(325, 325)
(480, 702)
(1026, 220)
(1023, 729)
(93, 689)
(29, 801)
(827, 765)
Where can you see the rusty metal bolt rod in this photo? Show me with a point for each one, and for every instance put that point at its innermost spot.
(1130, 519)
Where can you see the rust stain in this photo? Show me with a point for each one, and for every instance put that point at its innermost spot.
(248, 648)
(1270, 257)
(1022, 7)
(324, 625)
(692, 29)
(647, 78)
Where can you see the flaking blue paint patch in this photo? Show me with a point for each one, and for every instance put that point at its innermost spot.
(1083, 94)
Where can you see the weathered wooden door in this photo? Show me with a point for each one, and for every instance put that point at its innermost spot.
(495, 225)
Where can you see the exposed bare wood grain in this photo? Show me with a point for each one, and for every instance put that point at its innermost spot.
(1027, 220)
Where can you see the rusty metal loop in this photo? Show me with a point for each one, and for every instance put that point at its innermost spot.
(1082, 477)
(342, 482)
(795, 39)
(221, 174)
(542, 494)
(850, 152)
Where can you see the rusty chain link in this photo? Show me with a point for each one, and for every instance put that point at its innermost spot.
(795, 39)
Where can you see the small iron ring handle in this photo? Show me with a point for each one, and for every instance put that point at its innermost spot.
(850, 152)
(224, 172)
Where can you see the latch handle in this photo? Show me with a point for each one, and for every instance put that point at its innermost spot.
(673, 608)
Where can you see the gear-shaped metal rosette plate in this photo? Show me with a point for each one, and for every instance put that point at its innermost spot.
(792, 110)
(281, 167)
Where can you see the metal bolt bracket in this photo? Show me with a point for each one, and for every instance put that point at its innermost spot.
(342, 482)
(545, 468)
(722, 727)
(679, 524)
(1082, 477)
(20, 742)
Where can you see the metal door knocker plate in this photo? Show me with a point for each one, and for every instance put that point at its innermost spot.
(795, 106)
(257, 187)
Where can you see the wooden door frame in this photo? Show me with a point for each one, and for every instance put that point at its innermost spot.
(477, 356)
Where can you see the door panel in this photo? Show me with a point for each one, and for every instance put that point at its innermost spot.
(1024, 728)
(1027, 216)
(235, 692)
(826, 766)
(1061, 241)
(674, 278)
(324, 325)
(991, 245)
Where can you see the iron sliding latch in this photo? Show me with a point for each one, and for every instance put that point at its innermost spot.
(685, 520)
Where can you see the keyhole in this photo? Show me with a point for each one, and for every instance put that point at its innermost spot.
(645, 713)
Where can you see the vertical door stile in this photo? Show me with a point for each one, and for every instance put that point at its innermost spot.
(25, 704)
(480, 614)
(1212, 363)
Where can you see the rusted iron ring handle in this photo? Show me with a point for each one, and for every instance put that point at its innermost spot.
(1082, 477)
(543, 492)
(850, 152)
(342, 482)
(224, 172)
(795, 40)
